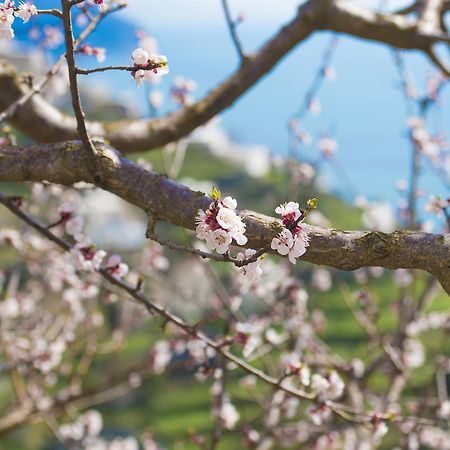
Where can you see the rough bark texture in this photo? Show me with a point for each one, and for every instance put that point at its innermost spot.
(163, 199)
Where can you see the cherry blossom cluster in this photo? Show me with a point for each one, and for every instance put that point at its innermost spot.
(147, 66)
(293, 240)
(219, 225)
(8, 11)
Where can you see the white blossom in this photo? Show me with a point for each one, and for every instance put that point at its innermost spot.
(250, 272)
(229, 415)
(25, 11)
(140, 57)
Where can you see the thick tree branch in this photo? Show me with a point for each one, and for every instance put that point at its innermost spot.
(44, 123)
(163, 199)
(392, 29)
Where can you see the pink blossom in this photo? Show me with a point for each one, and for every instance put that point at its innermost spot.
(291, 243)
(444, 410)
(413, 353)
(329, 72)
(86, 256)
(101, 4)
(229, 202)
(124, 443)
(289, 210)
(249, 335)
(301, 241)
(251, 272)
(380, 430)
(328, 146)
(98, 52)
(330, 387)
(219, 240)
(25, 11)
(74, 226)
(147, 66)
(283, 242)
(140, 57)
(314, 106)
(161, 356)
(319, 414)
(52, 36)
(116, 267)
(6, 19)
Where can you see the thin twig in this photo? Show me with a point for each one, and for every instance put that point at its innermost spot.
(150, 66)
(207, 255)
(232, 29)
(52, 12)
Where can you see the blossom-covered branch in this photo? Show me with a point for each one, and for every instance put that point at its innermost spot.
(164, 199)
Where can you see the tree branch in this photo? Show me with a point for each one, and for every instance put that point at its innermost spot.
(73, 81)
(163, 199)
(232, 29)
(44, 123)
